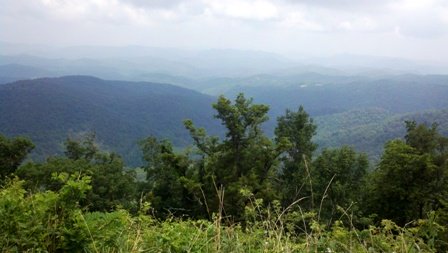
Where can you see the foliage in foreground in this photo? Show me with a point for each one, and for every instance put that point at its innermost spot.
(53, 221)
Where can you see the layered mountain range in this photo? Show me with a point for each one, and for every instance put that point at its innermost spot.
(355, 111)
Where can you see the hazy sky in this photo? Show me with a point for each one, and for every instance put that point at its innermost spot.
(415, 29)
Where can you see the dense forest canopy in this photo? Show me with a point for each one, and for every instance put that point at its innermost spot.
(241, 178)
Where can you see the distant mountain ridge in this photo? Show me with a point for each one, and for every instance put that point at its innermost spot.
(321, 96)
(14, 72)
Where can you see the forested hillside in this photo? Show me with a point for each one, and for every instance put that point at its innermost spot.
(368, 129)
(49, 110)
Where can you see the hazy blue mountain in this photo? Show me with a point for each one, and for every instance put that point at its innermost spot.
(194, 68)
(60, 66)
(138, 69)
(211, 71)
(14, 72)
(120, 113)
(378, 65)
(232, 62)
(189, 63)
(322, 95)
(129, 61)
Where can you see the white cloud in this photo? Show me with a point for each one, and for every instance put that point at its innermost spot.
(365, 6)
(413, 5)
(298, 20)
(244, 9)
(157, 4)
(363, 24)
(112, 11)
(424, 19)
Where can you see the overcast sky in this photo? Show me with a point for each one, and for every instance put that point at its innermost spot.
(414, 29)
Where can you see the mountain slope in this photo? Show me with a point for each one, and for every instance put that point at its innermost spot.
(367, 130)
(120, 113)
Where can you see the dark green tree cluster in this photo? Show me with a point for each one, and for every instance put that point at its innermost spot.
(223, 175)
(218, 172)
(111, 184)
(411, 178)
(12, 154)
(167, 175)
(339, 179)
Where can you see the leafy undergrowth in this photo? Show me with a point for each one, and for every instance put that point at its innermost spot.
(53, 222)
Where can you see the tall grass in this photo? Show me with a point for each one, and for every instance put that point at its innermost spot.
(50, 222)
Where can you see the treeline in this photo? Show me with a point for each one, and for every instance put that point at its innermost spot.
(242, 179)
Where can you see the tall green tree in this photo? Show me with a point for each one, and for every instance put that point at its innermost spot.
(242, 121)
(83, 148)
(12, 153)
(170, 179)
(298, 129)
(245, 160)
(338, 179)
(411, 177)
(428, 140)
